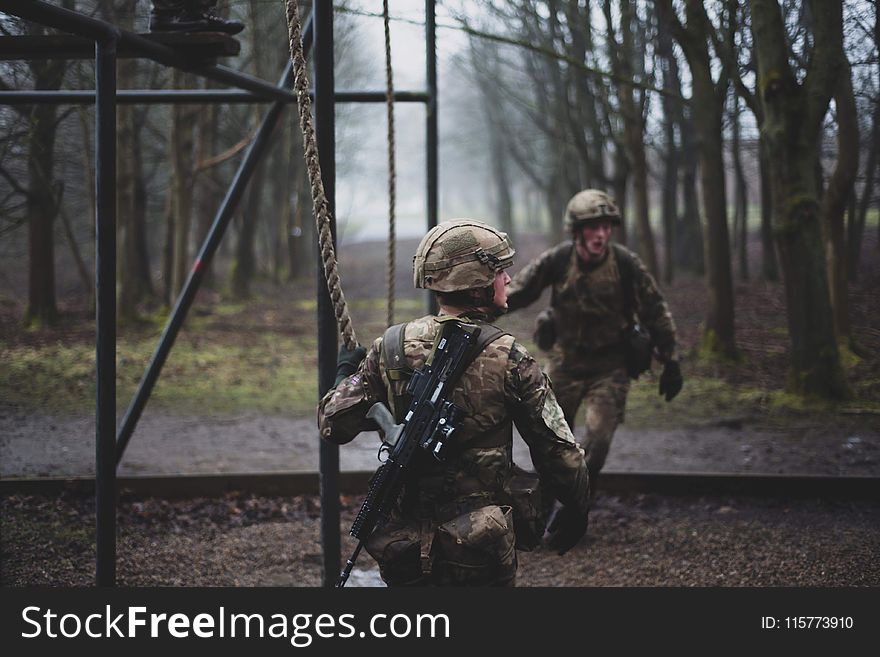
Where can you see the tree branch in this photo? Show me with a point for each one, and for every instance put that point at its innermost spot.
(14, 183)
(222, 157)
(826, 62)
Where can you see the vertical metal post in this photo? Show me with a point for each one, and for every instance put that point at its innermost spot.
(105, 313)
(431, 123)
(325, 129)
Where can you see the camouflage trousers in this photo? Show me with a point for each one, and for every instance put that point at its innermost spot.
(604, 397)
(472, 549)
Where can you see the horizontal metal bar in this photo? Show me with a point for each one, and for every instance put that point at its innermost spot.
(380, 96)
(194, 96)
(204, 47)
(852, 487)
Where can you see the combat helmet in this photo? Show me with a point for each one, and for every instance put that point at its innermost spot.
(461, 254)
(588, 205)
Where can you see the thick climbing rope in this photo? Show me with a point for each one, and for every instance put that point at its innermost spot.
(319, 200)
(392, 193)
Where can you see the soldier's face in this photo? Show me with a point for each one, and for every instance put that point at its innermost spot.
(594, 239)
(501, 282)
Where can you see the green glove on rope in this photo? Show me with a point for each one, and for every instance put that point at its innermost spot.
(348, 361)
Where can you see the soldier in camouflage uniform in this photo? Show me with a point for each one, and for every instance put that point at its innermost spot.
(586, 327)
(451, 525)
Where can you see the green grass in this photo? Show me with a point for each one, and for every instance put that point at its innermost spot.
(272, 373)
(705, 400)
(700, 400)
(266, 373)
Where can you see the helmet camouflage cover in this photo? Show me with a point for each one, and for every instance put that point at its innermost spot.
(589, 205)
(461, 254)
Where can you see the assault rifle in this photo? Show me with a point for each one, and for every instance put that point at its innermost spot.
(426, 429)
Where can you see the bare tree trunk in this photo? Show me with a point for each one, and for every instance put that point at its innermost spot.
(741, 197)
(671, 172)
(281, 206)
(302, 233)
(85, 277)
(584, 119)
(619, 183)
(135, 284)
(769, 267)
(792, 122)
(210, 194)
(501, 178)
(621, 56)
(855, 234)
(690, 228)
(41, 209)
(840, 189)
(89, 182)
(133, 267)
(685, 250)
(497, 151)
(245, 264)
(707, 107)
(182, 170)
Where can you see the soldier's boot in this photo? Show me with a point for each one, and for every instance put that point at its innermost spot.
(190, 16)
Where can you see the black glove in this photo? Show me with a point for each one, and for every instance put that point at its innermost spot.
(545, 330)
(566, 528)
(348, 361)
(671, 380)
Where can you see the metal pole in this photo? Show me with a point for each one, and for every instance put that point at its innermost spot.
(200, 96)
(431, 123)
(325, 127)
(105, 311)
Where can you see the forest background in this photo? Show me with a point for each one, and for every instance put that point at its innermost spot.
(740, 139)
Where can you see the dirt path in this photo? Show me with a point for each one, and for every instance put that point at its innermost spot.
(34, 444)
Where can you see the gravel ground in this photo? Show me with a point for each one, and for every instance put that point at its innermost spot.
(165, 443)
(243, 540)
(637, 540)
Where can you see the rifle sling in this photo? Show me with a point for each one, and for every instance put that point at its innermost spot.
(393, 357)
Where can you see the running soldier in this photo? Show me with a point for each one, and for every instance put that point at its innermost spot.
(598, 290)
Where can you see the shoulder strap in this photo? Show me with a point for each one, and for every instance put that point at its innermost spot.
(392, 356)
(488, 334)
(392, 352)
(625, 267)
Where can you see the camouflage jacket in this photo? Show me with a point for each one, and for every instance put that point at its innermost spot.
(503, 385)
(588, 306)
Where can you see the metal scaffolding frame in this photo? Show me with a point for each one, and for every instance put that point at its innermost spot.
(317, 36)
